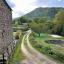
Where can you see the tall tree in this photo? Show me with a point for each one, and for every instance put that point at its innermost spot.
(59, 23)
(36, 27)
(23, 20)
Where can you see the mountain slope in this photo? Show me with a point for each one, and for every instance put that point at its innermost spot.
(43, 12)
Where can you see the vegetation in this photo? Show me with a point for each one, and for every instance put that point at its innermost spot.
(54, 51)
(41, 21)
(51, 21)
(48, 12)
(17, 54)
(17, 34)
(59, 23)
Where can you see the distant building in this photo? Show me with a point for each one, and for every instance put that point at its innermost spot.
(6, 38)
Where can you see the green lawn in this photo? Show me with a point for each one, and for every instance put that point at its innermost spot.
(17, 55)
(53, 51)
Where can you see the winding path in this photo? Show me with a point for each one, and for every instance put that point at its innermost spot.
(32, 55)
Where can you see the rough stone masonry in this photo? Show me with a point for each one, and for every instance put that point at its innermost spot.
(6, 38)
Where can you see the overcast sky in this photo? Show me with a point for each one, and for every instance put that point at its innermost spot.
(21, 7)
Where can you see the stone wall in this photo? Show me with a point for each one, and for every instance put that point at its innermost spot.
(6, 38)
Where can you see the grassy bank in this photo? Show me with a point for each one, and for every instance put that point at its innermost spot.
(53, 51)
(17, 55)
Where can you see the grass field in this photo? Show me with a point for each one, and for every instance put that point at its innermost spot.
(17, 55)
(54, 51)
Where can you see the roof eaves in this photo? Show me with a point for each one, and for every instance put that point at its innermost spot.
(7, 4)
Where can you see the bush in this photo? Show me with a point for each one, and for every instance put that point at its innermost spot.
(38, 46)
(16, 37)
(18, 34)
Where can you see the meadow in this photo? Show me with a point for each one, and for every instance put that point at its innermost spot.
(51, 50)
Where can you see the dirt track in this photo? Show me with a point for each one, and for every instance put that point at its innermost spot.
(32, 55)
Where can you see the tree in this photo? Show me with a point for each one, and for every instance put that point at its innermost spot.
(39, 25)
(36, 27)
(23, 20)
(16, 24)
(40, 20)
(59, 23)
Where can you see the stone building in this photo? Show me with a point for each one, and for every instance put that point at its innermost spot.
(6, 38)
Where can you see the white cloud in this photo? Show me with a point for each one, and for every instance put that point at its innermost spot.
(45, 6)
(23, 7)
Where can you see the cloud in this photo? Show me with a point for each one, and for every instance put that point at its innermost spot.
(51, 3)
(11, 4)
(16, 14)
(21, 7)
(45, 6)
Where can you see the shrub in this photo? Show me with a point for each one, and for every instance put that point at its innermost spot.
(16, 37)
(18, 34)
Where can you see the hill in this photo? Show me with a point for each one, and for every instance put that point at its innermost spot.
(43, 12)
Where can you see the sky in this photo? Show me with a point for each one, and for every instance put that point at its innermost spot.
(22, 7)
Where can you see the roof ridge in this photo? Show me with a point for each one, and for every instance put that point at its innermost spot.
(7, 4)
